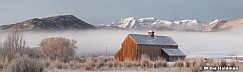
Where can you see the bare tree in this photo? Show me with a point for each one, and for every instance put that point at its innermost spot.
(13, 45)
(58, 48)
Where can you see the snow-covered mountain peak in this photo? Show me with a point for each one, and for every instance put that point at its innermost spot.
(162, 22)
(194, 21)
(129, 19)
(148, 19)
(180, 25)
(151, 22)
(215, 21)
(126, 23)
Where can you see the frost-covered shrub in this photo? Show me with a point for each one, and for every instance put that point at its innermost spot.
(160, 63)
(114, 63)
(186, 63)
(32, 52)
(89, 64)
(179, 63)
(135, 63)
(109, 64)
(25, 64)
(197, 63)
(144, 61)
(74, 64)
(3, 64)
(57, 48)
(127, 63)
(223, 63)
(99, 62)
(232, 63)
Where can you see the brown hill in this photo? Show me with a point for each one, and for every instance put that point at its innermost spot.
(62, 22)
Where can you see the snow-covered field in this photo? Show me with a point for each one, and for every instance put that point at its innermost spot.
(167, 69)
(163, 69)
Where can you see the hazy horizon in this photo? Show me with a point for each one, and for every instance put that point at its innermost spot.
(105, 11)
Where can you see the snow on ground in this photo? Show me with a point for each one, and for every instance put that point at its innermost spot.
(167, 69)
(164, 69)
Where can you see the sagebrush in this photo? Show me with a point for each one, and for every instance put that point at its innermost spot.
(25, 64)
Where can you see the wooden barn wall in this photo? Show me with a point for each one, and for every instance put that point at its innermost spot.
(153, 51)
(128, 50)
(118, 55)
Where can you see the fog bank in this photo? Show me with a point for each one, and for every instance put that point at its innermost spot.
(191, 43)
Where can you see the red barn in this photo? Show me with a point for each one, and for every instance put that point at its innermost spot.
(151, 45)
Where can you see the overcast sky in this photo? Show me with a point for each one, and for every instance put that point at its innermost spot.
(105, 11)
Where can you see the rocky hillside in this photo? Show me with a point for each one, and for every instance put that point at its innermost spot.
(62, 22)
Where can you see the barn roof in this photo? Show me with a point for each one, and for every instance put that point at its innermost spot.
(173, 52)
(156, 40)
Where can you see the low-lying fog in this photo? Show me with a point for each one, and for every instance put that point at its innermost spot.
(191, 43)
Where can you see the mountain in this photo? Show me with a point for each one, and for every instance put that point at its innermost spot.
(219, 25)
(179, 25)
(70, 22)
(157, 24)
(214, 25)
(62, 22)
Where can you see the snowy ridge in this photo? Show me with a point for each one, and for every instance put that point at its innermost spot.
(179, 25)
(151, 22)
(215, 21)
(128, 23)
